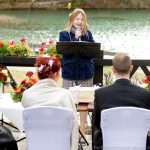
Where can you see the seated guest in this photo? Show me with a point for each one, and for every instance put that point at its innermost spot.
(121, 93)
(46, 92)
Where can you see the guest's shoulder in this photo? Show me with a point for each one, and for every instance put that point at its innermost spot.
(66, 95)
(64, 36)
(89, 31)
(63, 32)
(139, 88)
(90, 36)
(105, 88)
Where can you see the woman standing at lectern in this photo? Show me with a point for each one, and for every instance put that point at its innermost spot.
(83, 72)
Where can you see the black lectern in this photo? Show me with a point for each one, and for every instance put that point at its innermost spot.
(79, 49)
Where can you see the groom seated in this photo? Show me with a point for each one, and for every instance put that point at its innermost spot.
(121, 93)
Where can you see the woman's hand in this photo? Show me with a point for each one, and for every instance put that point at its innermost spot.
(78, 33)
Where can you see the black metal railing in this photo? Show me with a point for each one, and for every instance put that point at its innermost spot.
(98, 63)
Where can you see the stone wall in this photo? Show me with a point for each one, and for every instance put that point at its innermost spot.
(61, 4)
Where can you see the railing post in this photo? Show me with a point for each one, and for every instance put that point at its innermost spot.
(12, 81)
(98, 76)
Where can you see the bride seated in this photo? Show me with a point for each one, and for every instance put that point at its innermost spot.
(46, 92)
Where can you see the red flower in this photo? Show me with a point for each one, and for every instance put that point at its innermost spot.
(18, 90)
(12, 43)
(1, 69)
(23, 40)
(41, 49)
(1, 44)
(29, 73)
(148, 77)
(23, 82)
(34, 80)
(145, 80)
(23, 89)
(51, 42)
(30, 82)
(1, 75)
(43, 43)
(5, 78)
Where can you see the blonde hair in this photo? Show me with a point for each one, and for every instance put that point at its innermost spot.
(73, 15)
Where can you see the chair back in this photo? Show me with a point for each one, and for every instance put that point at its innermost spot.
(48, 128)
(125, 128)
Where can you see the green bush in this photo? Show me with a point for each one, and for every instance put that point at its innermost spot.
(12, 49)
(50, 50)
(4, 49)
(19, 50)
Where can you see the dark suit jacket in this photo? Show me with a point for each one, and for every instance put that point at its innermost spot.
(121, 93)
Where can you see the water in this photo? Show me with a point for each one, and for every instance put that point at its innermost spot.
(117, 30)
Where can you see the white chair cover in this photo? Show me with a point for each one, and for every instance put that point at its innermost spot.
(48, 128)
(125, 128)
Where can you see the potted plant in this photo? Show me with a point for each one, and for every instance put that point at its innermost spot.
(14, 49)
(25, 84)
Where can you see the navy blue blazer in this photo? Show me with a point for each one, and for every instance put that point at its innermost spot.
(70, 69)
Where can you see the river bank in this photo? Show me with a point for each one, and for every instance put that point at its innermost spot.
(86, 4)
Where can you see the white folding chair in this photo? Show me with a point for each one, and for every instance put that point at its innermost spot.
(48, 128)
(125, 128)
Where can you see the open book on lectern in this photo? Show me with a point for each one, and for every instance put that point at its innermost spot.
(79, 49)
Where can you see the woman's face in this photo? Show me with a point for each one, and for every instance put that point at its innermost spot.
(78, 22)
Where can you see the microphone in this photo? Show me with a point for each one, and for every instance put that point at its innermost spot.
(80, 28)
(79, 38)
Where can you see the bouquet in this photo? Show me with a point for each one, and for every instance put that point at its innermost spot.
(4, 76)
(146, 83)
(25, 84)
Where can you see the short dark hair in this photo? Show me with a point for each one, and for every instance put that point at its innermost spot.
(121, 63)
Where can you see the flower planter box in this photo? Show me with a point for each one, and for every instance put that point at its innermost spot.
(17, 61)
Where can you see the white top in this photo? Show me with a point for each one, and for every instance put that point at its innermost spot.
(46, 93)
